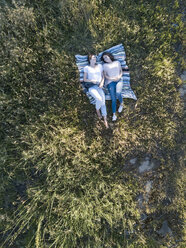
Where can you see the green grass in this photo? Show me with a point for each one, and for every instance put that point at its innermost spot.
(64, 181)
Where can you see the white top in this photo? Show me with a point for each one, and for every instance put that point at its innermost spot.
(94, 73)
(112, 70)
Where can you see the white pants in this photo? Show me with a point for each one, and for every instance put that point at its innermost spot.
(98, 94)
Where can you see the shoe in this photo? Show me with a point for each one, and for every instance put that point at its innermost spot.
(120, 108)
(114, 118)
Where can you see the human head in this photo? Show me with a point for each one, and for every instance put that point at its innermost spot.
(107, 54)
(90, 57)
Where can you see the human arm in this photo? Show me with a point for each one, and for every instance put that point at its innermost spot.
(102, 81)
(112, 78)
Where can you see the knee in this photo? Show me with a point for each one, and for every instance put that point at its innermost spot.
(99, 101)
(113, 98)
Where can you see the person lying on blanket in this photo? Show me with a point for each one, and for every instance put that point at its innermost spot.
(113, 74)
(94, 80)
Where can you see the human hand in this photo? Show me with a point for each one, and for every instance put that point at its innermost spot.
(117, 78)
(93, 81)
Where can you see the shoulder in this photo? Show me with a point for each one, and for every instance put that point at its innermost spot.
(86, 68)
(118, 62)
(100, 66)
(105, 65)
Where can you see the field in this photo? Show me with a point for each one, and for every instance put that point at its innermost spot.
(66, 181)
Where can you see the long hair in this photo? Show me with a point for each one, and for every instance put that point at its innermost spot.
(90, 56)
(109, 55)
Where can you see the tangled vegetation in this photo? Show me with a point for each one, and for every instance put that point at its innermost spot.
(63, 179)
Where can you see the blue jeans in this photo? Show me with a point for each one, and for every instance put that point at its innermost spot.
(115, 89)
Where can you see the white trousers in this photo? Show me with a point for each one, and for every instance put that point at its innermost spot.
(99, 95)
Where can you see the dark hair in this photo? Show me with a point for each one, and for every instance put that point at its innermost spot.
(90, 56)
(108, 54)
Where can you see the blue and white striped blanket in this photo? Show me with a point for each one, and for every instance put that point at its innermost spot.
(119, 54)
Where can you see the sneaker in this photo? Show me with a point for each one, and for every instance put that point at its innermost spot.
(114, 118)
(120, 108)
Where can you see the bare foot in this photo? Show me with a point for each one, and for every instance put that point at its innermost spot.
(106, 123)
(99, 114)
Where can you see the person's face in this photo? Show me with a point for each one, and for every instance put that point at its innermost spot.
(93, 59)
(107, 59)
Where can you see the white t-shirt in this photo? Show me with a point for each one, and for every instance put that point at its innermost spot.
(112, 70)
(94, 73)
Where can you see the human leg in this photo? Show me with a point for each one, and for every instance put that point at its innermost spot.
(103, 107)
(119, 87)
(105, 122)
(98, 113)
(99, 96)
(112, 91)
(95, 94)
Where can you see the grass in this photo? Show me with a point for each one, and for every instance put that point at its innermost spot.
(64, 178)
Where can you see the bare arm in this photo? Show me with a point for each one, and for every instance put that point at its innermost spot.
(102, 81)
(114, 78)
(120, 74)
(106, 76)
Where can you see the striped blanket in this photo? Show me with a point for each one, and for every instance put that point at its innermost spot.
(119, 54)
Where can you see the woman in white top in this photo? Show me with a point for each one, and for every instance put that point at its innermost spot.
(113, 75)
(94, 80)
